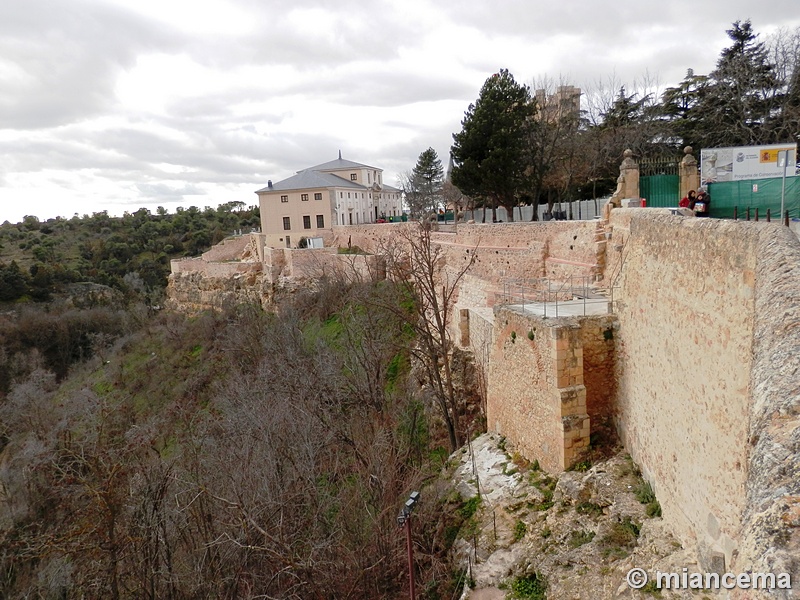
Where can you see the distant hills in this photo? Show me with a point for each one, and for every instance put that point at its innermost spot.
(129, 253)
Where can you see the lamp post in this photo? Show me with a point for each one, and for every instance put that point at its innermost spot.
(404, 519)
(783, 158)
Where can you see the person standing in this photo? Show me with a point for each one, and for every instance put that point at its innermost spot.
(702, 203)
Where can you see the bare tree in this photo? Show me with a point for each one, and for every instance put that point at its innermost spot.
(417, 264)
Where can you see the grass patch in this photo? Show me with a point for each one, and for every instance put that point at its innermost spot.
(581, 466)
(644, 494)
(546, 485)
(580, 537)
(469, 508)
(520, 529)
(589, 508)
(620, 538)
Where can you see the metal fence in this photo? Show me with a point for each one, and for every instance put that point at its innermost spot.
(582, 210)
(574, 295)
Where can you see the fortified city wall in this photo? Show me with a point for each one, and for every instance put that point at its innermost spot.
(685, 303)
(699, 372)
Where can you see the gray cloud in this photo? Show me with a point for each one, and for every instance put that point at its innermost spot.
(161, 192)
(60, 62)
(65, 58)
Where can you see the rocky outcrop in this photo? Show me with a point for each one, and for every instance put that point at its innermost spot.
(195, 291)
(580, 532)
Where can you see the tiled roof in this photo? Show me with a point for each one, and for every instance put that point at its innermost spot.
(311, 178)
(339, 163)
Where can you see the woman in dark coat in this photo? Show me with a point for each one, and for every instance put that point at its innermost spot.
(702, 203)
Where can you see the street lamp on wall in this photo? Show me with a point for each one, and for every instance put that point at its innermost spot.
(783, 159)
(404, 519)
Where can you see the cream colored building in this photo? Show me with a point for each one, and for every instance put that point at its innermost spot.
(312, 201)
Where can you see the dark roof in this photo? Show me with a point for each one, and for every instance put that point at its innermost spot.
(339, 163)
(311, 178)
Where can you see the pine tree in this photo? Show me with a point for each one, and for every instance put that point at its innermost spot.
(743, 94)
(489, 151)
(427, 178)
(680, 109)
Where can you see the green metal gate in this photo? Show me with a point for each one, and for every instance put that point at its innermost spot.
(659, 182)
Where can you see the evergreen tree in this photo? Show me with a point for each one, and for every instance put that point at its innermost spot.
(489, 151)
(13, 282)
(743, 96)
(427, 178)
(680, 110)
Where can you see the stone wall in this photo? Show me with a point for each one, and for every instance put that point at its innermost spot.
(685, 303)
(230, 248)
(194, 291)
(520, 403)
(537, 394)
(311, 264)
(599, 359)
(770, 534)
(213, 269)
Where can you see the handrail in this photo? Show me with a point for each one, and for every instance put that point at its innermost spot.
(549, 294)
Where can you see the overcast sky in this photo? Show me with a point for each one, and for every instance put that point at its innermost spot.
(119, 104)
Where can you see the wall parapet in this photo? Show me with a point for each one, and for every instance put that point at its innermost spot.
(770, 532)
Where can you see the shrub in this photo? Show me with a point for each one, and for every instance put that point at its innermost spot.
(579, 537)
(520, 529)
(530, 587)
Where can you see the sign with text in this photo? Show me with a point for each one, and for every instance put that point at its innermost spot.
(745, 162)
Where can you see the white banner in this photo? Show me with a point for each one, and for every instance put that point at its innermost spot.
(745, 162)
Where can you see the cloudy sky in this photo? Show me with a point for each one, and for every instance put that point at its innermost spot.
(119, 104)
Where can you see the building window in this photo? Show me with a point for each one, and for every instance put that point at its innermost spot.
(351, 218)
(353, 176)
(341, 195)
(369, 177)
(318, 196)
(306, 222)
(348, 194)
(287, 224)
(304, 197)
(284, 198)
(320, 221)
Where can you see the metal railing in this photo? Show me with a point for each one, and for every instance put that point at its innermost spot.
(546, 295)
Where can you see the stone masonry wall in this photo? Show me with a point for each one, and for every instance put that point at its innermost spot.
(685, 304)
(230, 248)
(597, 340)
(770, 535)
(520, 403)
(536, 395)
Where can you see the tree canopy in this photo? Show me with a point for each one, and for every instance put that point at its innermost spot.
(488, 152)
(514, 148)
(423, 186)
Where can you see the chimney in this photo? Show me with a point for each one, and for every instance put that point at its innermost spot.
(269, 183)
(340, 155)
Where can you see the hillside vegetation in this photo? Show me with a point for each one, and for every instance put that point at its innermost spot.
(232, 455)
(129, 253)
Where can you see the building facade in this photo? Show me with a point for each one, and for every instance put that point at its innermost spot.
(309, 203)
